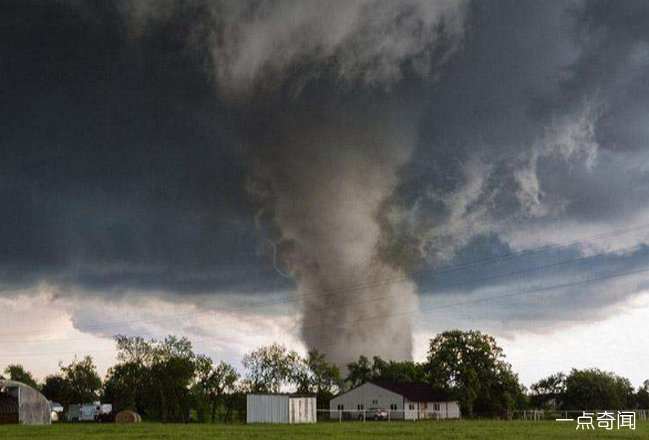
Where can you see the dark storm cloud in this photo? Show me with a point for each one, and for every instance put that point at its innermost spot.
(521, 100)
(563, 290)
(119, 167)
(483, 120)
(127, 151)
(533, 135)
(613, 64)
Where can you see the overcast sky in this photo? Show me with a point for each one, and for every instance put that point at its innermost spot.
(439, 164)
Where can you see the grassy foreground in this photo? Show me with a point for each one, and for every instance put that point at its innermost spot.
(343, 431)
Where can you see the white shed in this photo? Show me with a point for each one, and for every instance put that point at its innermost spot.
(280, 408)
(409, 401)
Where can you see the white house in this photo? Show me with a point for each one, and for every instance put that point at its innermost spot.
(280, 408)
(409, 401)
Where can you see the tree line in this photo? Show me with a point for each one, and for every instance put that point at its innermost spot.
(166, 380)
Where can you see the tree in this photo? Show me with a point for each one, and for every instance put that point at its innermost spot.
(124, 386)
(170, 379)
(314, 374)
(82, 380)
(359, 372)
(200, 389)
(18, 373)
(57, 389)
(135, 350)
(642, 396)
(397, 371)
(471, 366)
(269, 368)
(324, 378)
(214, 382)
(379, 370)
(126, 382)
(597, 389)
(549, 392)
(170, 374)
(155, 376)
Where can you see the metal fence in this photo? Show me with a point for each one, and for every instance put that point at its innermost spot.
(550, 414)
(364, 415)
(327, 415)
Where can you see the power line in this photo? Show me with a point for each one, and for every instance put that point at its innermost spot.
(106, 326)
(502, 296)
(356, 321)
(324, 293)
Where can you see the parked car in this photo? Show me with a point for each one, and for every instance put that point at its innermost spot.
(377, 414)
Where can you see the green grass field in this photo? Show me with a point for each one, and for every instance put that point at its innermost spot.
(343, 431)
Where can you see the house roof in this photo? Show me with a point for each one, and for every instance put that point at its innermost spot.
(283, 394)
(415, 392)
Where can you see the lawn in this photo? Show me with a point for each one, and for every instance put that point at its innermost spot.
(343, 431)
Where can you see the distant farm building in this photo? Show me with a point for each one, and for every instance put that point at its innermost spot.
(409, 401)
(20, 403)
(280, 408)
(89, 412)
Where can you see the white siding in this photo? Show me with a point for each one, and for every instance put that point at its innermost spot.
(372, 396)
(302, 410)
(452, 410)
(266, 408)
(411, 410)
(368, 395)
(434, 410)
(280, 408)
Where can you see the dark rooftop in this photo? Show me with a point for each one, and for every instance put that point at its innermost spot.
(414, 392)
(282, 394)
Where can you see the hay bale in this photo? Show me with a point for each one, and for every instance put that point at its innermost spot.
(127, 416)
